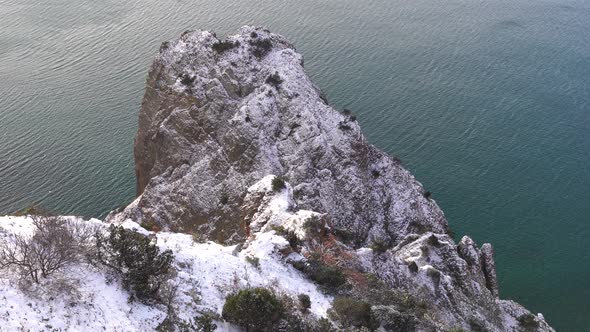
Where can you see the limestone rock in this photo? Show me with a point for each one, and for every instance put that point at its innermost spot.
(489, 268)
(216, 119)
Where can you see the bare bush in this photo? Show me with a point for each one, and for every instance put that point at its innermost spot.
(55, 243)
(168, 294)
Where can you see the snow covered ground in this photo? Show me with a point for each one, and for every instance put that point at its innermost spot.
(79, 298)
(85, 298)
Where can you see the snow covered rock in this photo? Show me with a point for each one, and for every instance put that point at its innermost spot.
(266, 209)
(217, 116)
(459, 282)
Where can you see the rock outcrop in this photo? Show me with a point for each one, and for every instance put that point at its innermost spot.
(219, 117)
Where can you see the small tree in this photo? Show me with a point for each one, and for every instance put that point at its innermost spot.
(278, 184)
(139, 262)
(304, 302)
(256, 309)
(16, 252)
(56, 243)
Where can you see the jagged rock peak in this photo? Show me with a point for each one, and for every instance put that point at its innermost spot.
(219, 115)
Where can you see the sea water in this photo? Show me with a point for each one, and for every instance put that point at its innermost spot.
(486, 102)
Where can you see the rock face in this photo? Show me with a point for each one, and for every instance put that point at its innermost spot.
(220, 116)
(217, 116)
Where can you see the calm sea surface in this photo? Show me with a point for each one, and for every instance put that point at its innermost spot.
(487, 102)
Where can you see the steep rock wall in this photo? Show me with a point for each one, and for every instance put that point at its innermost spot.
(217, 116)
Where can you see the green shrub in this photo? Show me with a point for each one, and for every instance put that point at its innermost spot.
(142, 267)
(313, 223)
(528, 322)
(280, 230)
(406, 302)
(224, 46)
(275, 80)
(255, 261)
(411, 303)
(187, 79)
(392, 320)
(352, 312)
(261, 47)
(291, 319)
(380, 246)
(288, 235)
(344, 126)
(173, 323)
(475, 325)
(256, 309)
(434, 274)
(304, 301)
(322, 325)
(278, 184)
(204, 323)
(330, 277)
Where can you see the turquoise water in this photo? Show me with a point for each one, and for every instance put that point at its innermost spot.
(487, 102)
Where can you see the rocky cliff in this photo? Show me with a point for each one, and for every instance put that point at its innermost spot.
(218, 116)
(221, 118)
